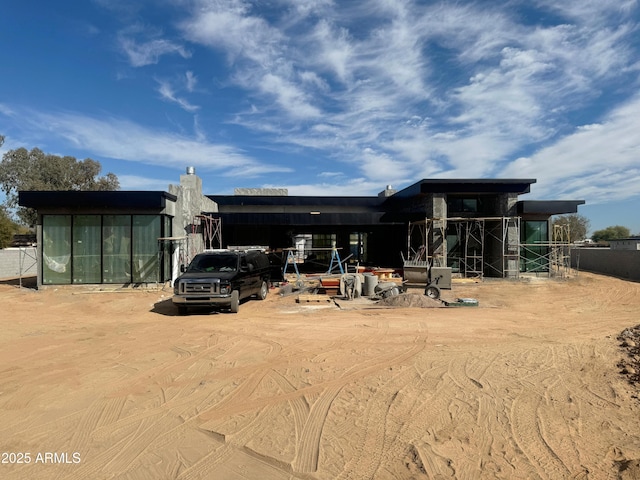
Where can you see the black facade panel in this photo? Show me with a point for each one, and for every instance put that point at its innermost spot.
(548, 207)
(331, 219)
(295, 201)
(74, 200)
(478, 185)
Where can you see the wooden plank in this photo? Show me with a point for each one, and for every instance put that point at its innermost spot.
(313, 298)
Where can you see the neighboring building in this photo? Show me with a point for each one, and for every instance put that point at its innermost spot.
(631, 243)
(478, 227)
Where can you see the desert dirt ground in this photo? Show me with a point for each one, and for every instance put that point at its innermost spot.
(527, 385)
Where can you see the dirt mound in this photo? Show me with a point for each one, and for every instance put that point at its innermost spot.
(630, 343)
(411, 300)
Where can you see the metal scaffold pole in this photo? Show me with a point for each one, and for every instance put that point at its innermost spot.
(211, 231)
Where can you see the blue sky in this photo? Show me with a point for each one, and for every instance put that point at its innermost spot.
(334, 97)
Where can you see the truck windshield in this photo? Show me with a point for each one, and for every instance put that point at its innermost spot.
(214, 263)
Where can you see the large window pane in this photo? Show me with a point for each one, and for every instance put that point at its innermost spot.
(146, 231)
(86, 249)
(116, 248)
(56, 249)
(167, 250)
(535, 237)
(323, 240)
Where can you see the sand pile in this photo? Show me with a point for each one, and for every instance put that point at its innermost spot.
(411, 300)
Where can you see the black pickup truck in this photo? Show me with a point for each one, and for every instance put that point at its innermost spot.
(221, 278)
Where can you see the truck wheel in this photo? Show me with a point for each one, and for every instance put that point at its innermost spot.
(235, 301)
(264, 290)
(432, 292)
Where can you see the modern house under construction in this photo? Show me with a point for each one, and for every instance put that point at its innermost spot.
(476, 227)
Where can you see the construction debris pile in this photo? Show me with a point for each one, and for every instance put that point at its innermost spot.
(630, 343)
(382, 287)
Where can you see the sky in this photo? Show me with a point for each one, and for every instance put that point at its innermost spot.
(334, 97)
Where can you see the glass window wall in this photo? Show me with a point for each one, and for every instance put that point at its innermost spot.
(91, 249)
(86, 249)
(116, 248)
(535, 254)
(146, 231)
(56, 249)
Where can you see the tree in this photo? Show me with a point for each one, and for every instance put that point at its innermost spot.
(578, 225)
(21, 169)
(7, 229)
(611, 233)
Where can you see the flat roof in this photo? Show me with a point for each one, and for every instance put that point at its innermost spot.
(140, 199)
(548, 207)
(468, 185)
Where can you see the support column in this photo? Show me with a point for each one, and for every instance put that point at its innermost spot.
(439, 231)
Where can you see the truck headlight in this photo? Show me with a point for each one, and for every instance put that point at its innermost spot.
(225, 289)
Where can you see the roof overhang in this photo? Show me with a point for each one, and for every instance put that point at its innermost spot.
(90, 200)
(469, 186)
(548, 207)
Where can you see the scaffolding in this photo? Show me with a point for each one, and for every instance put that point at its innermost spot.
(549, 258)
(488, 246)
(561, 260)
(27, 261)
(472, 247)
(420, 246)
(211, 231)
(491, 246)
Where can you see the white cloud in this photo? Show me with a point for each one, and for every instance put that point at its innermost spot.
(125, 140)
(166, 91)
(6, 110)
(149, 50)
(231, 27)
(597, 161)
(377, 81)
(353, 188)
(191, 81)
(135, 182)
(395, 90)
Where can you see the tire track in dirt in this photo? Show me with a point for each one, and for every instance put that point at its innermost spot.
(246, 389)
(101, 411)
(556, 429)
(375, 447)
(95, 467)
(309, 443)
(24, 426)
(299, 406)
(181, 398)
(309, 446)
(146, 434)
(529, 435)
(151, 440)
(423, 398)
(205, 468)
(182, 364)
(313, 425)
